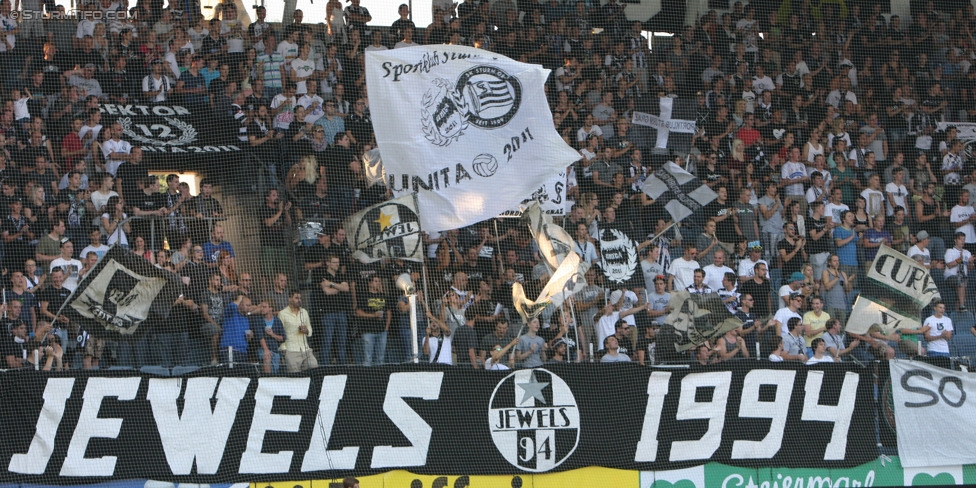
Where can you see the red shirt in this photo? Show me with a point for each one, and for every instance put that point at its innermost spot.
(748, 136)
(71, 143)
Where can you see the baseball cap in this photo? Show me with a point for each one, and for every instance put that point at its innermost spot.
(922, 235)
(797, 276)
(615, 296)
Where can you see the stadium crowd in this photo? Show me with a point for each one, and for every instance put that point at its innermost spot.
(825, 133)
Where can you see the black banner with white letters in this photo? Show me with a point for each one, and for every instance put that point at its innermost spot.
(174, 136)
(231, 426)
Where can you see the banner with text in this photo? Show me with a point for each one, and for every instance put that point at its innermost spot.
(468, 130)
(896, 291)
(208, 428)
(175, 133)
(928, 395)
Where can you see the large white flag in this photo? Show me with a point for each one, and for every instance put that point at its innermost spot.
(469, 130)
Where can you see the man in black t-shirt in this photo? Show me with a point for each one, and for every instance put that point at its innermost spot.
(51, 300)
(17, 235)
(336, 302)
(151, 204)
(723, 213)
(13, 349)
(275, 218)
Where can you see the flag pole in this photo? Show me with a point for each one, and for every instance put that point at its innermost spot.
(659, 234)
(496, 256)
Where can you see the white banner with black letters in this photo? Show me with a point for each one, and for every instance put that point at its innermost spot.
(469, 130)
(898, 289)
(932, 412)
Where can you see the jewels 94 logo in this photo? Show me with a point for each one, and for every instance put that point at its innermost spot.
(484, 96)
(534, 420)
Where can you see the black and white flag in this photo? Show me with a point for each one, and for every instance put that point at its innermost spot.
(120, 293)
(618, 255)
(469, 131)
(386, 230)
(682, 191)
(674, 123)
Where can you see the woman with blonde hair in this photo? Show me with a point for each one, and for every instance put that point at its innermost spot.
(301, 177)
(737, 159)
(838, 131)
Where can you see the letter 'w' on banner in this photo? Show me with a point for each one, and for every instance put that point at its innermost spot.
(387, 230)
(924, 394)
(684, 193)
(469, 131)
(899, 288)
(120, 293)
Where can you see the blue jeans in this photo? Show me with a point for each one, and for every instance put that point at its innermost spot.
(374, 348)
(275, 360)
(334, 325)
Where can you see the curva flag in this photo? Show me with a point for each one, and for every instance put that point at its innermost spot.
(468, 130)
(386, 230)
(120, 293)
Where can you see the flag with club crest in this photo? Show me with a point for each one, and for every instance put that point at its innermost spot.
(386, 230)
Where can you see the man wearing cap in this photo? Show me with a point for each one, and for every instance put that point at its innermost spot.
(747, 266)
(920, 252)
(156, 85)
(794, 286)
(84, 79)
(559, 351)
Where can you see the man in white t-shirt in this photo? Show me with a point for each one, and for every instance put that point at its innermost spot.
(896, 192)
(715, 272)
(302, 69)
(794, 175)
(920, 252)
(70, 266)
(783, 315)
(116, 150)
(681, 273)
(874, 196)
(835, 207)
(958, 262)
(962, 217)
(940, 332)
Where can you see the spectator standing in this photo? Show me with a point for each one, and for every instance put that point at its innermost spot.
(374, 314)
(336, 304)
(297, 324)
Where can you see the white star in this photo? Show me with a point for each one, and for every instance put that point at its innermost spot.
(533, 389)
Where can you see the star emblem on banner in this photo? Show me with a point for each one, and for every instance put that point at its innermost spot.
(385, 219)
(533, 389)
